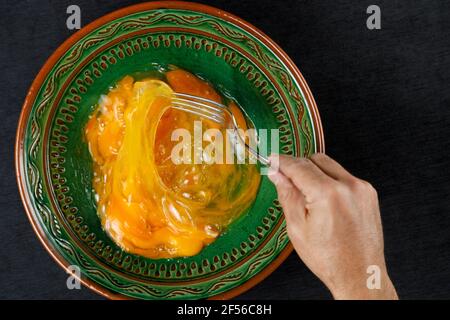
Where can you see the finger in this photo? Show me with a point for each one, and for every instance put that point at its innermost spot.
(305, 175)
(330, 167)
(290, 198)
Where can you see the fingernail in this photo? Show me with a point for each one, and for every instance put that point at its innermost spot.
(273, 157)
(274, 160)
(273, 176)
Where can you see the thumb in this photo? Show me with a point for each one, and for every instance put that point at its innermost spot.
(291, 199)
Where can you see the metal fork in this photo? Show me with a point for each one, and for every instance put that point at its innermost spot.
(213, 111)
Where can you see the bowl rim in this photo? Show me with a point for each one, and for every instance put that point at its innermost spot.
(46, 68)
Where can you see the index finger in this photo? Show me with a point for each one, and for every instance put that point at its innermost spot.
(305, 175)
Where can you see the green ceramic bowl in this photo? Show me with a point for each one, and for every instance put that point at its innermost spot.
(54, 168)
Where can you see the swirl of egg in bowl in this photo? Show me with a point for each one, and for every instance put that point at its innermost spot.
(148, 204)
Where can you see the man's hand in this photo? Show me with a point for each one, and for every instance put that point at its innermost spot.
(333, 221)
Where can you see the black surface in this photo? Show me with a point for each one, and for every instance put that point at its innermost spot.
(384, 100)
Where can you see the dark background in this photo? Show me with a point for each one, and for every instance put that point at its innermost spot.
(384, 99)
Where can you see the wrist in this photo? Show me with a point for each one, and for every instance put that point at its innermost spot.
(359, 290)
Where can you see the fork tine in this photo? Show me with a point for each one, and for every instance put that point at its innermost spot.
(213, 111)
(196, 98)
(218, 118)
(199, 104)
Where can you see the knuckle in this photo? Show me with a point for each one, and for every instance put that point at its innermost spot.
(301, 164)
(372, 191)
(332, 191)
(319, 156)
(363, 187)
(304, 162)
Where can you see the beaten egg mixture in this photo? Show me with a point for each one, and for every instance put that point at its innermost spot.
(147, 204)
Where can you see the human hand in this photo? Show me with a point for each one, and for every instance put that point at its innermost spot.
(333, 221)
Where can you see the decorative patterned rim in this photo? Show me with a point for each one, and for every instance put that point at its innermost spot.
(39, 80)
